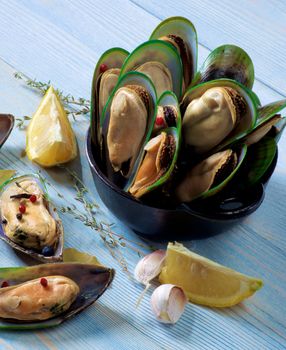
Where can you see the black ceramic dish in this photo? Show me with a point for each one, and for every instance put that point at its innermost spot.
(199, 221)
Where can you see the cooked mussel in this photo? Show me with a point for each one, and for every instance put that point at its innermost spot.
(158, 163)
(46, 295)
(216, 113)
(105, 78)
(168, 112)
(227, 61)
(127, 125)
(181, 33)
(128, 118)
(29, 221)
(210, 175)
(266, 119)
(161, 62)
(38, 299)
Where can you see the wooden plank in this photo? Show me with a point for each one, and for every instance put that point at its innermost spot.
(256, 246)
(257, 26)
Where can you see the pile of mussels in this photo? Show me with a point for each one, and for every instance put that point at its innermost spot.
(160, 127)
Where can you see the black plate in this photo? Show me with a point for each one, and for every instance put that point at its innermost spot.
(199, 221)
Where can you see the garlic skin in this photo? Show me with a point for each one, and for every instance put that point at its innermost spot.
(168, 303)
(149, 267)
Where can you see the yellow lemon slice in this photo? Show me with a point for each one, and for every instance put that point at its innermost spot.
(204, 281)
(50, 139)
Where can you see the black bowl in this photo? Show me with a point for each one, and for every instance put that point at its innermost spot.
(193, 222)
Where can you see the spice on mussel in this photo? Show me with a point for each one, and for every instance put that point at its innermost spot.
(127, 126)
(206, 175)
(38, 299)
(28, 221)
(166, 117)
(211, 117)
(160, 151)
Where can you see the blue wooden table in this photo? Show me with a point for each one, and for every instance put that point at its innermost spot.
(61, 41)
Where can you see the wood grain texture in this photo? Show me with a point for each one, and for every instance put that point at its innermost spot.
(61, 41)
(258, 26)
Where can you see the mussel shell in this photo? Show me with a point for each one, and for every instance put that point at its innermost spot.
(6, 126)
(93, 280)
(168, 98)
(185, 29)
(113, 58)
(279, 128)
(159, 51)
(130, 78)
(258, 160)
(240, 153)
(268, 111)
(167, 175)
(261, 129)
(227, 61)
(247, 122)
(58, 253)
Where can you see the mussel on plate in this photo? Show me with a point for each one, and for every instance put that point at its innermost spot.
(29, 221)
(45, 295)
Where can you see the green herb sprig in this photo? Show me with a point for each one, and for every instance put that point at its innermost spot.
(73, 106)
(114, 242)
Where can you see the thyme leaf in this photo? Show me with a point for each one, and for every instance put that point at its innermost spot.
(73, 106)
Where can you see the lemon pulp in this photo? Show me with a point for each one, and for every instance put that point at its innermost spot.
(204, 281)
(50, 139)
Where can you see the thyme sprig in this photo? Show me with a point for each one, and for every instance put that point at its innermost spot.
(114, 242)
(73, 106)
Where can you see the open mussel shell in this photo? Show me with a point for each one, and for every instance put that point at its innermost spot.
(211, 175)
(268, 111)
(161, 62)
(57, 248)
(168, 112)
(92, 280)
(111, 62)
(181, 33)
(279, 128)
(129, 132)
(227, 61)
(6, 126)
(258, 160)
(261, 129)
(158, 163)
(241, 127)
(266, 119)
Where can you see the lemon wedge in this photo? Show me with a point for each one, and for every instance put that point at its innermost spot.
(50, 139)
(204, 281)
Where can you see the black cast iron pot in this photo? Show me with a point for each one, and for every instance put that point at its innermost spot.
(193, 222)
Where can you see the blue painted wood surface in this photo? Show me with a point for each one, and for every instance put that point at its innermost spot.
(61, 41)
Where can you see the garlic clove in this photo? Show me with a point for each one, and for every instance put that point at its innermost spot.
(150, 266)
(168, 303)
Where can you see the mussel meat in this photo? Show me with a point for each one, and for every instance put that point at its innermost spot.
(206, 175)
(160, 154)
(107, 83)
(127, 126)
(38, 299)
(45, 295)
(105, 78)
(159, 74)
(161, 62)
(181, 34)
(211, 117)
(29, 221)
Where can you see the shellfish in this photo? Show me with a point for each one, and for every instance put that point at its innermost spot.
(29, 221)
(65, 288)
